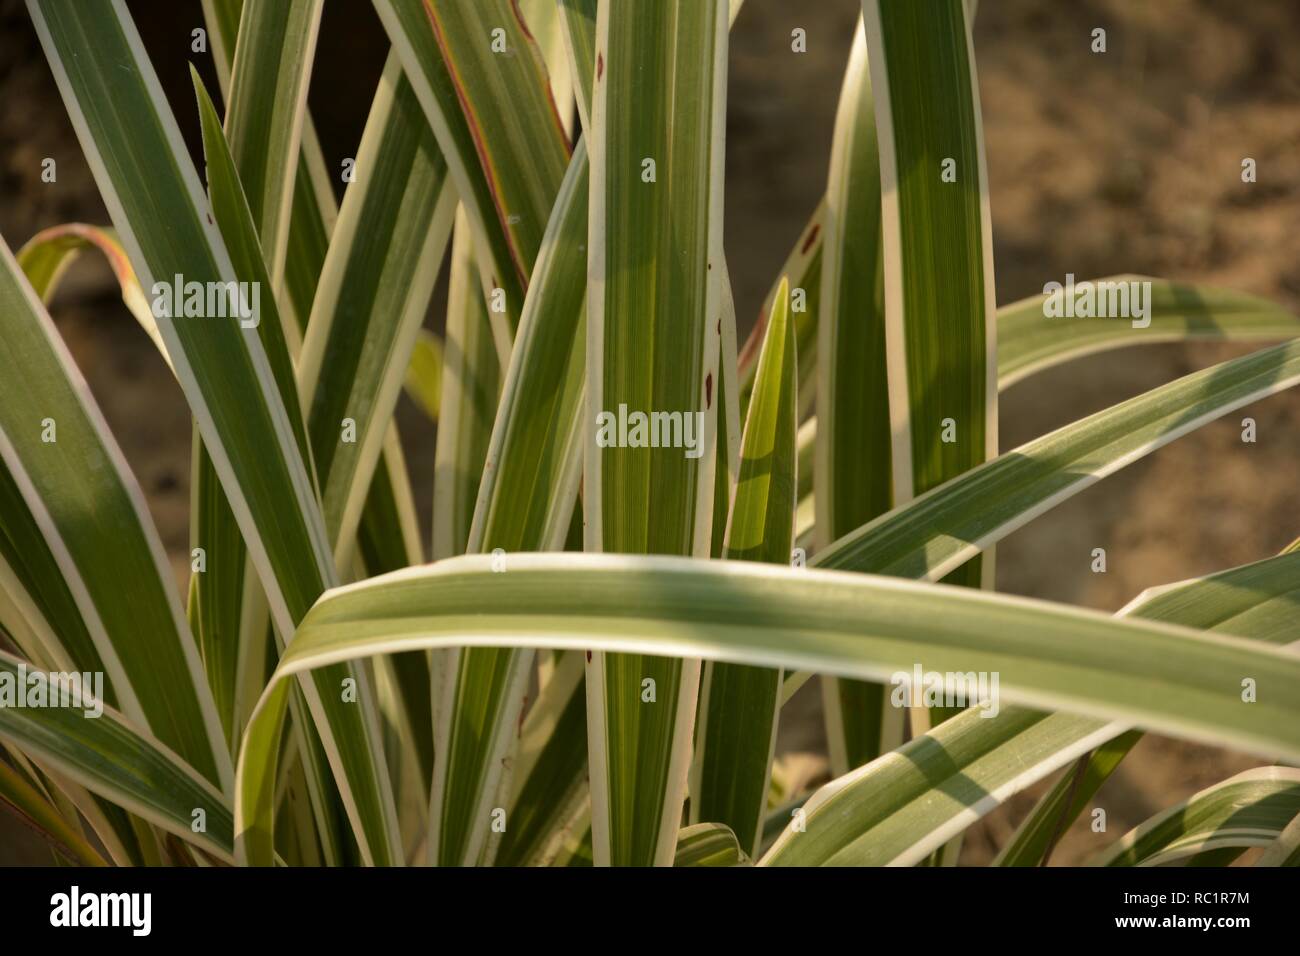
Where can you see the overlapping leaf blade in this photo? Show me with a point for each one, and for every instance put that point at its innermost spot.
(652, 344)
(493, 61)
(708, 844)
(33, 809)
(266, 102)
(1029, 341)
(941, 529)
(908, 803)
(113, 758)
(853, 477)
(412, 34)
(1257, 601)
(135, 150)
(1248, 810)
(74, 503)
(1163, 677)
(374, 292)
(736, 732)
(470, 394)
(553, 772)
(525, 502)
(314, 207)
(529, 477)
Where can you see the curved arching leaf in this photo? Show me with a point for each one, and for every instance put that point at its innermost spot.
(1166, 678)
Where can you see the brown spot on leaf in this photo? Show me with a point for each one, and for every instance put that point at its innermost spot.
(600, 65)
(812, 237)
(588, 657)
(708, 390)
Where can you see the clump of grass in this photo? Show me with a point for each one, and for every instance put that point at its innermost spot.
(646, 537)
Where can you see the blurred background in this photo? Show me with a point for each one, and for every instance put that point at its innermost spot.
(1128, 161)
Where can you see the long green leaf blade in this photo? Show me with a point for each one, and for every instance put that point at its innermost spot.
(1247, 810)
(938, 254)
(265, 108)
(853, 476)
(493, 61)
(232, 579)
(738, 705)
(33, 809)
(229, 615)
(905, 805)
(314, 207)
(374, 291)
(938, 274)
(1229, 603)
(137, 155)
(1029, 341)
(239, 233)
(802, 271)
(109, 756)
(411, 32)
(943, 528)
(524, 503)
(471, 389)
(1162, 677)
(553, 773)
(61, 462)
(520, 150)
(656, 199)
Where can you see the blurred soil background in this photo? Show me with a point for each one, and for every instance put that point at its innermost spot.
(1128, 161)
